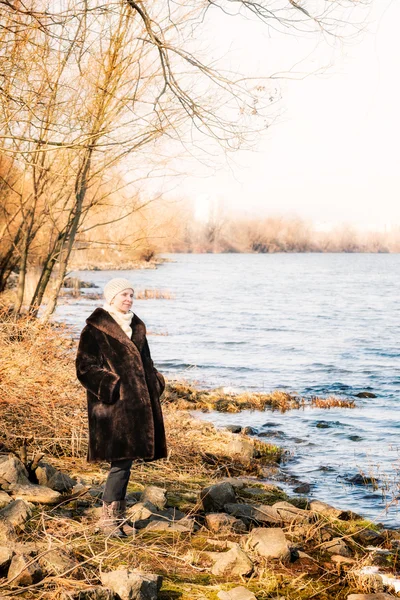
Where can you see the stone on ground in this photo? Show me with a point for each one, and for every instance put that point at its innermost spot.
(218, 522)
(291, 514)
(216, 496)
(23, 571)
(322, 508)
(155, 495)
(50, 477)
(261, 513)
(157, 525)
(16, 513)
(60, 482)
(369, 537)
(132, 584)
(7, 532)
(241, 449)
(270, 543)
(13, 470)
(38, 494)
(57, 562)
(238, 593)
(235, 562)
(6, 555)
(342, 560)
(336, 546)
(4, 499)
(92, 593)
(141, 511)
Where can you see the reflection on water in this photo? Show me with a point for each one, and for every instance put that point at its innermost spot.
(314, 324)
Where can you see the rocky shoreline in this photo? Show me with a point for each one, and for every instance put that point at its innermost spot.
(210, 522)
(226, 537)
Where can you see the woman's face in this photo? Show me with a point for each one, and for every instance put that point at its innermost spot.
(123, 300)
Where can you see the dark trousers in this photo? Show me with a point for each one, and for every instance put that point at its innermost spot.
(117, 480)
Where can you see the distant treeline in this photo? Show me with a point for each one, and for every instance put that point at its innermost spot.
(274, 234)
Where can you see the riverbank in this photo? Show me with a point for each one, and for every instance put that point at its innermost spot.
(117, 265)
(205, 530)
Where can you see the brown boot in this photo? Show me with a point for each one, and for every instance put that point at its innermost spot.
(126, 524)
(110, 521)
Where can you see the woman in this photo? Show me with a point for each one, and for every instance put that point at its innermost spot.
(123, 392)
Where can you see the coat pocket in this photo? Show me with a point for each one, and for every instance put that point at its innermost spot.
(109, 388)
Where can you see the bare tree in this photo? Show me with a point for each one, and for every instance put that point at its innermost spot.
(86, 84)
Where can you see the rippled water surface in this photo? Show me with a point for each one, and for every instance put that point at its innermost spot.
(310, 323)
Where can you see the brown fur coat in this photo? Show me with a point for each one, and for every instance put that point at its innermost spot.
(123, 391)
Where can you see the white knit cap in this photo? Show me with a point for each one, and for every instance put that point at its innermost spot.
(115, 286)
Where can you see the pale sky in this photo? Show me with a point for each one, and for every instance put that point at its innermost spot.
(333, 154)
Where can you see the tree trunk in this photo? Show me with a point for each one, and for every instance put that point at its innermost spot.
(80, 193)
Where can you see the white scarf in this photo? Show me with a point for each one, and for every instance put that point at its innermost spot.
(123, 319)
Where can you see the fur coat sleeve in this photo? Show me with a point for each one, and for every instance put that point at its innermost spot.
(102, 383)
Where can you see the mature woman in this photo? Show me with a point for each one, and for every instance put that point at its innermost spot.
(123, 392)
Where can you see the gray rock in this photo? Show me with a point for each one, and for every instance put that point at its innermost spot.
(217, 522)
(23, 571)
(368, 537)
(254, 514)
(242, 449)
(234, 428)
(303, 488)
(44, 472)
(250, 431)
(342, 560)
(171, 514)
(235, 562)
(132, 584)
(38, 494)
(216, 496)
(16, 513)
(96, 492)
(291, 514)
(190, 523)
(13, 470)
(133, 497)
(321, 508)
(4, 499)
(6, 555)
(57, 562)
(7, 532)
(141, 510)
(92, 593)
(359, 479)
(60, 482)
(50, 477)
(270, 543)
(169, 526)
(237, 593)
(336, 546)
(155, 495)
(236, 482)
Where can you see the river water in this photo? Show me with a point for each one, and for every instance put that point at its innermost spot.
(307, 323)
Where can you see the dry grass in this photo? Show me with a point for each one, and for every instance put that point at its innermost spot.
(151, 294)
(183, 396)
(332, 402)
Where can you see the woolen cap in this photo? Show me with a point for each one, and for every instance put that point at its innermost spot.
(115, 286)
